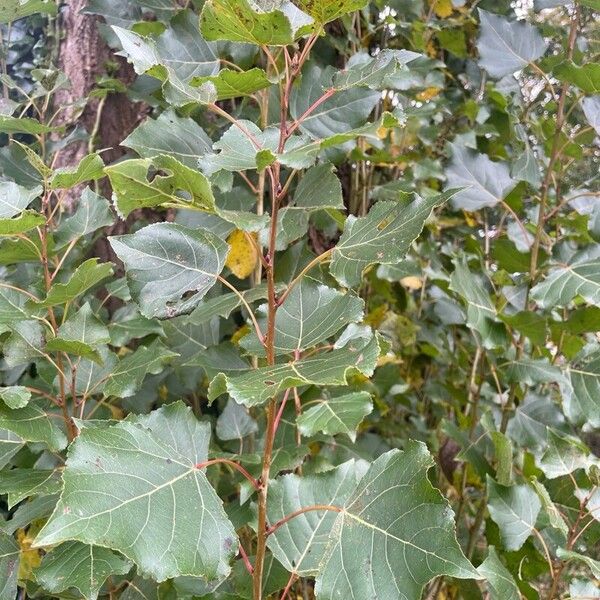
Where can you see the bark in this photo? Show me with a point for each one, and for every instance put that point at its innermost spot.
(83, 56)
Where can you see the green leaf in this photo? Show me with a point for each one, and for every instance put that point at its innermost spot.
(15, 396)
(87, 275)
(90, 168)
(79, 566)
(24, 344)
(581, 277)
(15, 198)
(93, 212)
(26, 221)
(9, 564)
(356, 350)
(337, 414)
(581, 396)
(164, 261)
(554, 517)
(563, 456)
(236, 21)
(514, 509)
(234, 423)
(179, 137)
(484, 182)
(507, 46)
(324, 11)
(161, 511)
(382, 237)
(12, 10)
(588, 561)
(22, 125)
(33, 424)
(220, 306)
(310, 314)
(300, 544)
(13, 306)
(173, 184)
(91, 375)
(400, 530)
(84, 327)
(127, 376)
(10, 444)
(19, 484)
(319, 188)
(586, 77)
(233, 84)
(364, 70)
(500, 582)
(337, 115)
(481, 313)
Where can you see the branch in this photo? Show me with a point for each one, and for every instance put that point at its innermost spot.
(215, 461)
(301, 511)
(330, 92)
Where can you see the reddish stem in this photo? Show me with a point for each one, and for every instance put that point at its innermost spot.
(246, 560)
(301, 511)
(231, 463)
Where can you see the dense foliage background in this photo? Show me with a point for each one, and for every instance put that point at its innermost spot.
(282, 282)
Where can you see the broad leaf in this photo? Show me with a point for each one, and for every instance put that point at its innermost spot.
(514, 509)
(79, 566)
(319, 188)
(127, 376)
(93, 212)
(9, 566)
(15, 396)
(161, 513)
(87, 275)
(10, 444)
(33, 424)
(500, 582)
(89, 168)
(22, 125)
(507, 46)
(350, 354)
(19, 484)
(165, 261)
(224, 304)
(382, 237)
(581, 396)
(591, 109)
(173, 184)
(481, 313)
(237, 21)
(337, 414)
(234, 423)
(563, 456)
(324, 11)
(586, 77)
(400, 530)
(26, 221)
(233, 84)
(581, 277)
(484, 182)
(311, 314)
(337, 115)
(300, 544)
(12, 10)
(15, 198)
(179, 137)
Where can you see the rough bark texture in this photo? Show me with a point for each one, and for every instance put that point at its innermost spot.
(83, 57)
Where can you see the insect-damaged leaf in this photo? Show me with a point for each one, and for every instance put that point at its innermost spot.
(165, 262)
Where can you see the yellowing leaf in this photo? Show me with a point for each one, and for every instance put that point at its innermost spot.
(442, 8)
(428, 94)
(239, 334)
(30, 558)
(242, 257)
(412, 282)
